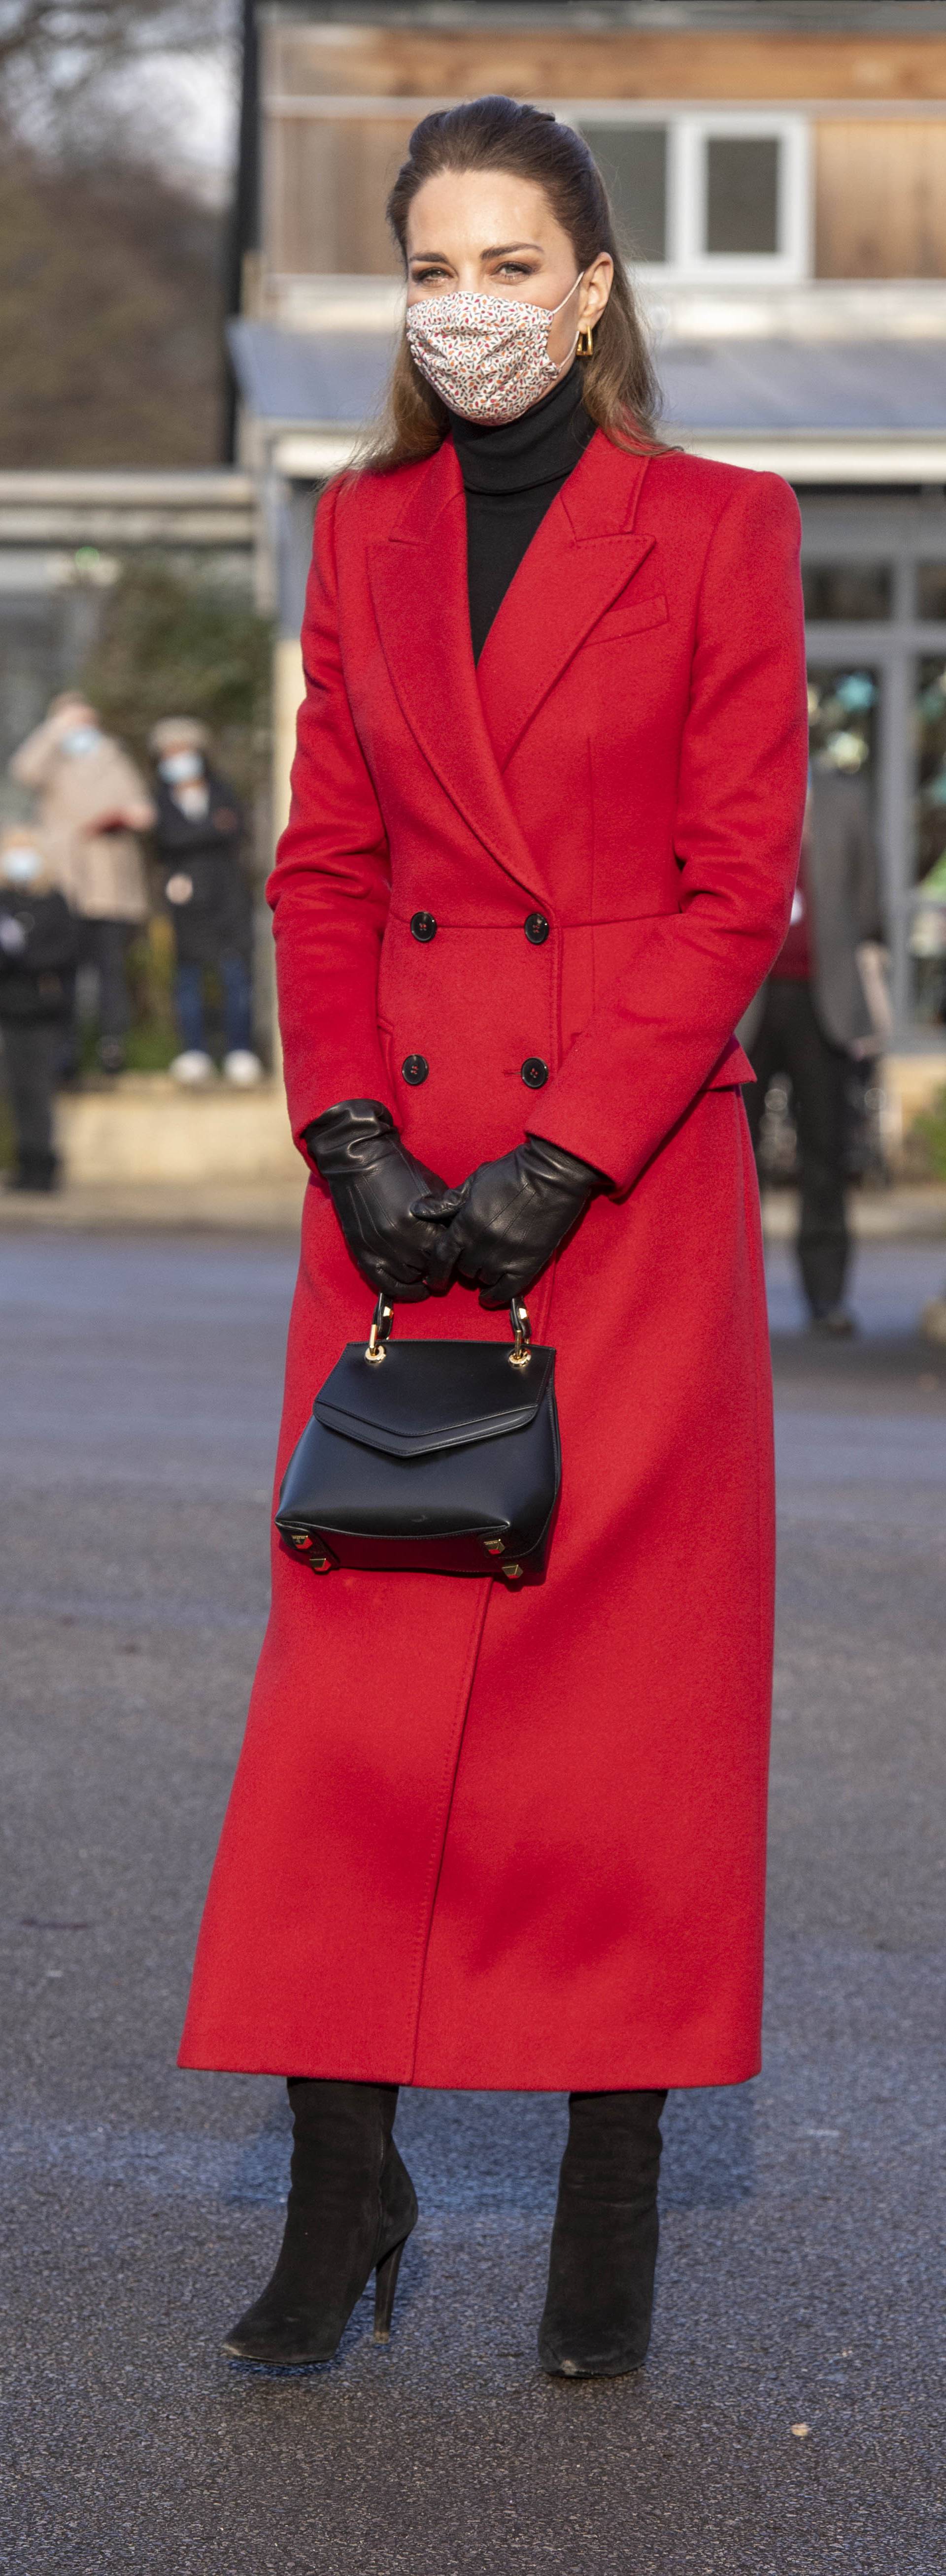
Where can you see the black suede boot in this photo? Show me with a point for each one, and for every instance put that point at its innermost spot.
(604, 2242)
(351, 2209)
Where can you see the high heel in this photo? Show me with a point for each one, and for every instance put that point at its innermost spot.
(599, 2304)
(385, 2284)
(352, 2207)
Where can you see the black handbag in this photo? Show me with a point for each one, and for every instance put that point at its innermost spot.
(441, 1457)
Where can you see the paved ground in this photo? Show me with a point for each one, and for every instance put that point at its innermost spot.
(801, 2280)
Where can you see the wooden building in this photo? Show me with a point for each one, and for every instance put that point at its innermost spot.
(779, 175)
(810, 138)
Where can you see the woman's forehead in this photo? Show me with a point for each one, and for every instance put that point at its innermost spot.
(493, 209)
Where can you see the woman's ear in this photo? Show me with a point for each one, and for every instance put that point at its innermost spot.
(595, 288)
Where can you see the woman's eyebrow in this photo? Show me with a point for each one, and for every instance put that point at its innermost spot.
(501, 250)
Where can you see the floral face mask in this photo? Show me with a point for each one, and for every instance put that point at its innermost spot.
(487, 356)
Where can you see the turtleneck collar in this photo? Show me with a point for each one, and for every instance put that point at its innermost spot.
(541, 447)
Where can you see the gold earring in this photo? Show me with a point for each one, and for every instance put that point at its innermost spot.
(586, 346)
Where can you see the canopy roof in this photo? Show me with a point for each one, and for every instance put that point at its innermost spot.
(335, 380)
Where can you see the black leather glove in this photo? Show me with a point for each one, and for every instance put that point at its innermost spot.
(501, 1228)
(374, 1182)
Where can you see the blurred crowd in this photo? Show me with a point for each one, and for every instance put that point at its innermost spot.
(74, 894)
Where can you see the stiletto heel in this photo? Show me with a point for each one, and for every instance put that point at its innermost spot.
(385, 2284)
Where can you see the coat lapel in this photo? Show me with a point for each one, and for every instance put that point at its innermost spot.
(419, 588)
(583, 554)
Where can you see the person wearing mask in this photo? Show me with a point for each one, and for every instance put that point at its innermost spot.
(199, 833)
(813, 1021)
(38, 947)
(547, 801)
(91, 805)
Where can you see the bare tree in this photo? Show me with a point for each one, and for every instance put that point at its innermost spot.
(70, 40)
(65, 66)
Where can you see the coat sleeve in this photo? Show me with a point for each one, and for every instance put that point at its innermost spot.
(52, 943)
(30, 765)
(658, 1034)
(330, 886)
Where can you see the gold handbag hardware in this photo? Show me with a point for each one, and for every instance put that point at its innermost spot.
(381, 1323)
(383, 1318)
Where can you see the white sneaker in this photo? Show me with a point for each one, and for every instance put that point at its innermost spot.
(192, 1067)
(242, 1068)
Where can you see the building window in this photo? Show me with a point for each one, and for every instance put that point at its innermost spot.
(632, 160)
(931, 591)
(849, 591)
(721, 195)
(742, 194)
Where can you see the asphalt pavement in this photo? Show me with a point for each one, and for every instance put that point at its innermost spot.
(791, 2417)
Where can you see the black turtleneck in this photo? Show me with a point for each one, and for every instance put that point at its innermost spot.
(511, 476)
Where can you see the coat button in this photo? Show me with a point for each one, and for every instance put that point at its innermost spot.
(423, 927)
(415, 1069)
(536, 929)
(534, 1072)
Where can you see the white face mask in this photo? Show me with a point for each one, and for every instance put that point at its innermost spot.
(487, 356)
(79, 740)
(180, 765)
(21, 867)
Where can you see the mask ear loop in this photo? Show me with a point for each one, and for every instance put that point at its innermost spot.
(559, 308)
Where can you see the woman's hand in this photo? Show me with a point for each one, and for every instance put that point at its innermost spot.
(374, 1182)
(501, 1228)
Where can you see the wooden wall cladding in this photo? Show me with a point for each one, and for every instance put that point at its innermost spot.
(880, 198)
(331, 61)
(326, 184)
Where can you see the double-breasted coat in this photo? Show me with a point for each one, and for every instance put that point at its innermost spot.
(480, 1837)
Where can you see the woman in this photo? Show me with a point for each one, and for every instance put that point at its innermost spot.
(92, 804)
(548, 800)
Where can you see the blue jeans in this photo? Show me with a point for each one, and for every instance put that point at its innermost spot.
(234, 975)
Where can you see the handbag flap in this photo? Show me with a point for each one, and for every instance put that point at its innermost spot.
(432, 1395)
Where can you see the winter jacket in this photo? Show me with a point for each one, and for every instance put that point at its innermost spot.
(38, 942)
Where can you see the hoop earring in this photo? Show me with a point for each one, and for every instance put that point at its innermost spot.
(585, 345)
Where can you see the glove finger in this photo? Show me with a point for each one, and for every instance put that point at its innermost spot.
(406, 1285)
(493, 1298)
(437, 1208)
(403, 1292)
(499, 1291)
(441, 1260)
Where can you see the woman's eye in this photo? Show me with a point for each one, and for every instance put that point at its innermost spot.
(514, 268)
(428, 276)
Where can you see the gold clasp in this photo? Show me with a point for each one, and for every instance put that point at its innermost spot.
(521, 1353)
(380, 1327)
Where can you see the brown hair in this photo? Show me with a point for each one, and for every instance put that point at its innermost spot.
(620, 389)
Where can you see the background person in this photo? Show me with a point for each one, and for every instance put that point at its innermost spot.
(548, 795)
(199, 833)
(812, 1020)
(91, 804)
(38, 948)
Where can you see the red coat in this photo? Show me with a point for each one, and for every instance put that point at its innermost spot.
(476, 1837)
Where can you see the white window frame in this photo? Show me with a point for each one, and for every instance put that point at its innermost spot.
(688, 261)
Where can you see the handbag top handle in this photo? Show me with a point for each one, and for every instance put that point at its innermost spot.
(519, 1356)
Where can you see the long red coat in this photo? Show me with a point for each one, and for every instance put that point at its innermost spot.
(517, 1839)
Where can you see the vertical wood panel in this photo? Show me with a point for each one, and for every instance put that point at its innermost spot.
(373, 156)
(326, 184)
(880, 199)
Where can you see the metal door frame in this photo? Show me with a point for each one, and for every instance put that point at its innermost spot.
(899, 533)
